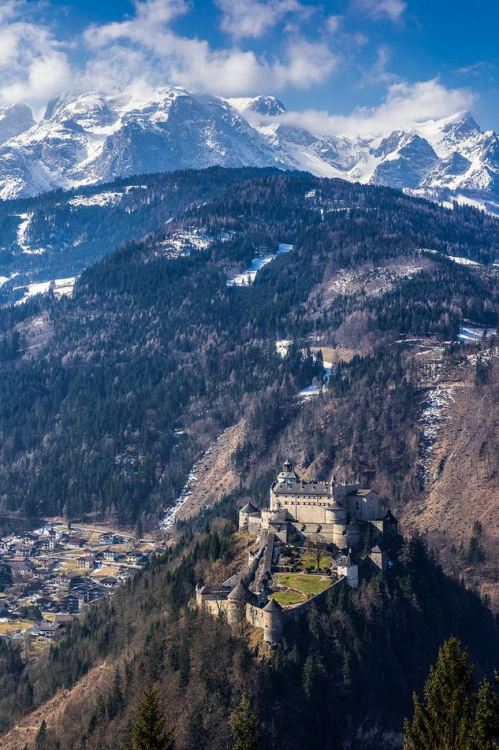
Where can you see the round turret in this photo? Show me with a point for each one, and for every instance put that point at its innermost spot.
(272, 622)
(246, 512)
(336, 513)
(236, 603)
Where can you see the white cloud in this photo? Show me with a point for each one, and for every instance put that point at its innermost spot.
(378, 74)
(393, 10)
(8, 10)
(145, 51)
(192, 63)
(253, 18)
(33, 64)
(333, 23)
(405, 105)
(147, 27)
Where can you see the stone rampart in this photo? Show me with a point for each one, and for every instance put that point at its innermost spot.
(254, 615)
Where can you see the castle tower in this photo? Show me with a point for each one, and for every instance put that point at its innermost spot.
(349, 569)
(246, 513)
(199, 596)
(236, 603)
(288, 474)
(272, 622)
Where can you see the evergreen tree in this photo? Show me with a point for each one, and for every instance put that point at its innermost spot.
(244, 726)
(149, 731)
(41, 735)
(115, 698)
(453, 715)
(485, 730)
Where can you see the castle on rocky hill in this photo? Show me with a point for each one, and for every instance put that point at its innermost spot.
(335, 511)
(341, 516)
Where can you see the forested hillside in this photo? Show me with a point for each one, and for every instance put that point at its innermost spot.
(59, 234)
(344, 675)
(107, 398)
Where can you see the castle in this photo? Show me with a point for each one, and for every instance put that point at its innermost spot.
(341, 516)
(307, 507)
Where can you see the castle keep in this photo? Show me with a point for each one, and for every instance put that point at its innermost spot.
(307, 507)
(335, 519)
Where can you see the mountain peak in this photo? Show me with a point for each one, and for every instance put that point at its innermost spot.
(15, 120)
(462, 123)
(270, 106)
(89, 137)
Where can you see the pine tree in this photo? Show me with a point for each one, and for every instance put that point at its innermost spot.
(453, 715)
(149, 731)
(244, 726)
(485, 729)
(41, 735)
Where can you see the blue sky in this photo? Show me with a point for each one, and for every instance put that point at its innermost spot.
(346, 63)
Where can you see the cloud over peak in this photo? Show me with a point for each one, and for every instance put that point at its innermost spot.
(404, 107)
(193, 63)
(33, 63)
(145, 50)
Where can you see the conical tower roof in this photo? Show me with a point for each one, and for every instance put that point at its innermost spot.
(272, 606)
(250, 509)
(239, 593)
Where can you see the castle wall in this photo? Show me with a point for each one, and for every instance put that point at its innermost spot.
(351, 572)
(213, 606)
(254, 524)
(330, 532)
(254, 615)
(340, 491)
(205, 594)
(248, 575)
(307, 510)
(364, 507)
(249, 522)
(353, 535)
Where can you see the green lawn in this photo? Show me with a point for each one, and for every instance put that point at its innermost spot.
(306, 584)
(289, 598)
(308, 560)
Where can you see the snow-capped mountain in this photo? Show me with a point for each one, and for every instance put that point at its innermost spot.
(93, 138)
(14, 120)
(446, 160)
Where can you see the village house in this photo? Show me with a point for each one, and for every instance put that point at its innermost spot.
(134, 558)
(86, 562)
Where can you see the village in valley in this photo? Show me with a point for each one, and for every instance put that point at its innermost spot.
(50, 575)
